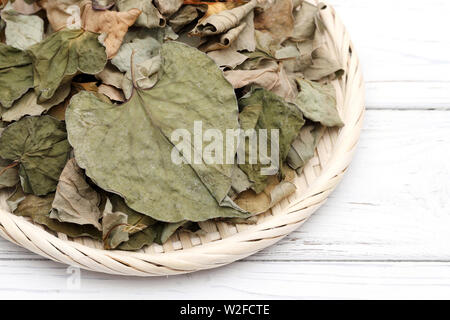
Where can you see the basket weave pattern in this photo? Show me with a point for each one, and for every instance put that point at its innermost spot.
(224, 243)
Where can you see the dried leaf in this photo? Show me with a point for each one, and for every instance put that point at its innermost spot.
(64, 13)
(111, 92)
(168, 7)
(227, 58)
(224, 20)
(114, 224)
(23, 7)
(318, 103)
(22, 31)
(40, 145)
(123, 226)
(9, 175)
(27, 105)
(275, 114)
(275, 191)
(323, 66)
(75, 200)
(16, 74)
(139, 240)
(103, 4)
(111, 76)
(150, 16)
(303, 147)
(277, 20)
(186, 16)
(114, 24)
(138, 49)
(139, 171)
(38, 208)
(65, 53)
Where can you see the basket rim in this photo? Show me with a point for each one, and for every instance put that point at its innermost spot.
(229, 249)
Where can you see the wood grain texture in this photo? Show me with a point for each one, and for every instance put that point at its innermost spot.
(384, 233)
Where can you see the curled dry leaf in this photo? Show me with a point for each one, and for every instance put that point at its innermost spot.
(75, 200)
(224, 20)
(113, 24)
(225, 40)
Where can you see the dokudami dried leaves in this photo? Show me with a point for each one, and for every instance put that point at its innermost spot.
(75, 200)
(264, 110)
(38, 209)
(135, 82)
(16, 74)
(97, 129)
(66, 53)
(22, 31)
(150, 17)
(224, 20)
(39, 145)
(318, 103)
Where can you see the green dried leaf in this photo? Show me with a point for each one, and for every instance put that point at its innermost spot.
(28, 105)
(16, 74)
(318, 103)
(140, 169)
(140, 228)
(266, 110)
(66, 53)
(38, 208)
(40, 145)
(303, 147)
(150, 16)
(186, 15)
(166, 230)
(75, 200)
(9, 174)
(139, 240)
(114, 224)
(22, 31)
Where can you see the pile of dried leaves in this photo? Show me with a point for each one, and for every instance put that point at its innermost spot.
(90, 92)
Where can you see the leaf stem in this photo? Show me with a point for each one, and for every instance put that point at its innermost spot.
(12, 165)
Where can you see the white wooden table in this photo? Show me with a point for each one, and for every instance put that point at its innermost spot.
(384, 233)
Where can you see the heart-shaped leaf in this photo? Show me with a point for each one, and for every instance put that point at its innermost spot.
(127, 149)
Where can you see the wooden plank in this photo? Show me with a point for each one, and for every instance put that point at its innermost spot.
(404, 50)
(242, 280)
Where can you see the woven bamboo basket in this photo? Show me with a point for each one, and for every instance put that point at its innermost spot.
(223, 243)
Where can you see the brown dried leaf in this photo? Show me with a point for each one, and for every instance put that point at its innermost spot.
(114, 24)
(277, 20)
(275, 192)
